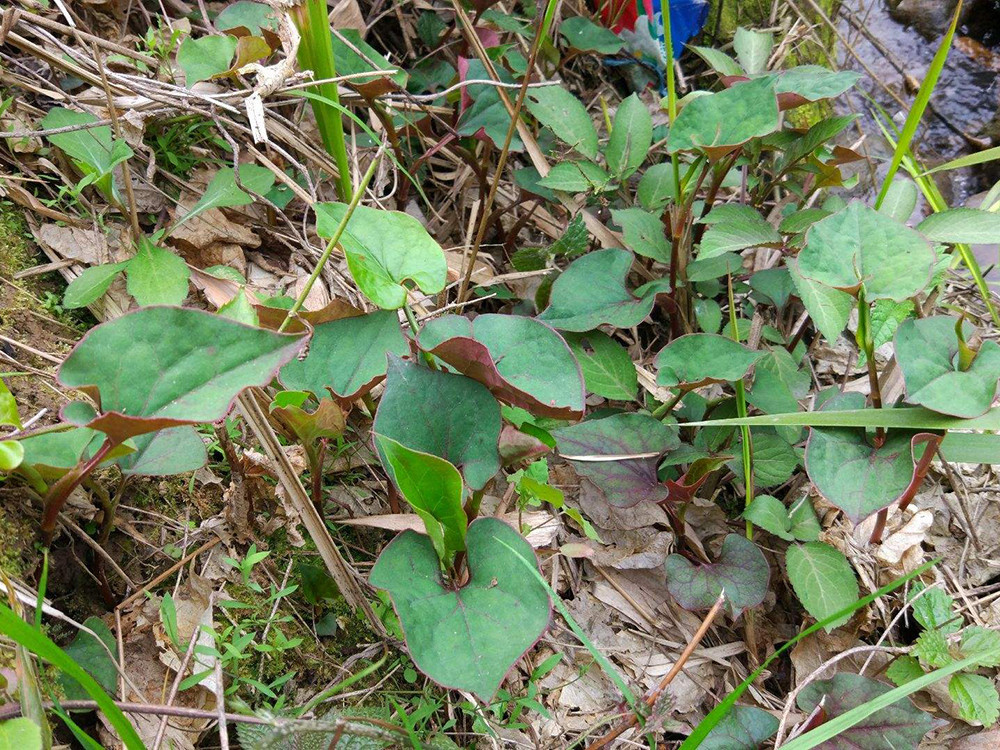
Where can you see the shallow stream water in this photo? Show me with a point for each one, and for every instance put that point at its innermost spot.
(966, 99)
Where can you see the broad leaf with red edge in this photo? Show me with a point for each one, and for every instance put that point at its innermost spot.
(145, 381)
(522, 361)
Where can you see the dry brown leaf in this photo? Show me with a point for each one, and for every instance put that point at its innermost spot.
(88, 246)
(347, 15)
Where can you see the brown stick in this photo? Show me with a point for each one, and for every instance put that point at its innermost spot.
(654, 696)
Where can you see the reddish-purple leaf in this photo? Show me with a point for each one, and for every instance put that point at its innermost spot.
(900, 725)
(592, 447)
(741, 572)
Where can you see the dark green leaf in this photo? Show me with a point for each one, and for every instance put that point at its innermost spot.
(466, 638)
(643, 233)
(607, 367)
(743, 728)
(418, 409)
(592, 292)
(703, 358)
(858, 246)
(200, 59)
(176, 450)
(718, 123)
(927, 351)
(88, 652)
(823, 580)
(208, 366)
(896, 726)
(623, 481)
(522, 361)
(347, 356)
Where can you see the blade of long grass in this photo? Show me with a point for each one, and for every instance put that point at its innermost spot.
(39, 644)
(607, 666)
(845, 721)
(316, 54)
(938, 203)
(718, 713)
(336, 105)
(909, 418)
(969, 160)
(919, 105)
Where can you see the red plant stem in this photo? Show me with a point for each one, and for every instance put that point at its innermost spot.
(56, 499)
(919, 472)
(654, 696)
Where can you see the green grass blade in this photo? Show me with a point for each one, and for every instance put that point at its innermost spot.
(969, 160)
(39, 644)
(938, 203)
(919, 105)
(717, 713)
(607, 666)
(337, 106)
(971, 448)
(316, 54)
(845, 721)
(908, 418)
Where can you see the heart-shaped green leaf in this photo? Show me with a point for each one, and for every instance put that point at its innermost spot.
(743, 728)
(522, 361)
(156, 276)
(385, 249)
(560, 111)
(858, 245)
(176, 450)
(774, 460)
(854, 475)
(591, 447)
(812, 82)
(643, 232)
(741, 572)
(631, 137)
(822, 579)
(968, 225)
(606, 365)
(418, 409)
(433, 488)
(896, 726)
(347, 356)
(20, 734)
(927, 351)
(732, 228)
(718, 123)
(592, 292)
(147, 381)
(798, 523)
(699, 358)
(252, 16)
(200, 59)
(469, 637)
